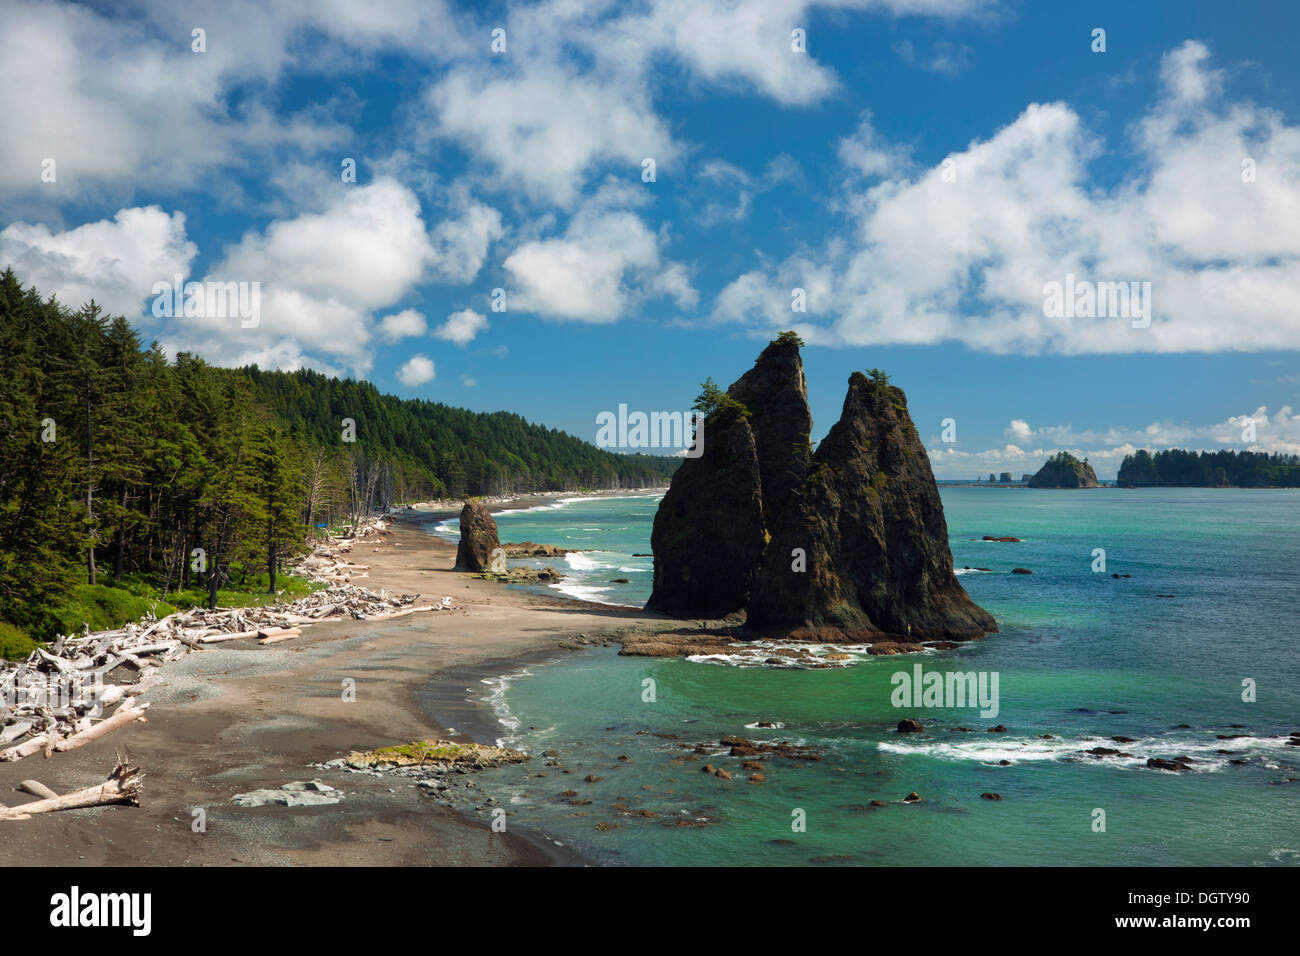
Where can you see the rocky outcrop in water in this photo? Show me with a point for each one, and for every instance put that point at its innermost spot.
(863, 549)
(710, 530)
(1063, 470)
(478, 538)
(849, 543)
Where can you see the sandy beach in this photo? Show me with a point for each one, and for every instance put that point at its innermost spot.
(239, 717)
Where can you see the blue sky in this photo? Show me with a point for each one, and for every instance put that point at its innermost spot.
(922, 170)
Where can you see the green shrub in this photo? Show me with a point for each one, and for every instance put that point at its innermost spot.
(14, 642)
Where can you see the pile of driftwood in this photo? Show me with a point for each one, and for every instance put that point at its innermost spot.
(57, 699)
(328, 562)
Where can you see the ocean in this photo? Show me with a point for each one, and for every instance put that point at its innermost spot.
(1210, 673)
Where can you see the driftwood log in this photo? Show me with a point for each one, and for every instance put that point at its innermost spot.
(121, 787)
(37, 789)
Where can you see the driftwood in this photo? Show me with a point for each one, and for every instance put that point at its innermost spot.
(121, 787)
(278, 634)
(53, 701)
(128, 712)
(37, 789)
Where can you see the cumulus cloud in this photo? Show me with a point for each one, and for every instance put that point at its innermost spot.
(461, 243)
(965, 251)
(322, 276)
(606, 261)
(115, 262)
(98, 94)
(541, 130)
(575, 90)
(462, 326)
(417, 370)
(402, 325)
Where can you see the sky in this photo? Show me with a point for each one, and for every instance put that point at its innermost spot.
(559, 208)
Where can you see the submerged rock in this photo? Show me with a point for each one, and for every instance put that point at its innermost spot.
(478, 538)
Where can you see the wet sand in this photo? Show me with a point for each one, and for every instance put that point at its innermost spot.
(240, 717)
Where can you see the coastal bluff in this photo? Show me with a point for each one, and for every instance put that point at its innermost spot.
(848, 543)
(1063, 470)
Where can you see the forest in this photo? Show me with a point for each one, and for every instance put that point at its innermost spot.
(130, 482)
(1176, 468)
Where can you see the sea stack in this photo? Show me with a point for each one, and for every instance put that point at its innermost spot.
(478, 538)
(850, 545)
(710, 530)
(1063, 470)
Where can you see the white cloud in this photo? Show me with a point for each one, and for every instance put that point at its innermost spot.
(322, 276)
(461, 244)
(100, 95)
(115, 262)
(867, 154)
(1105, 449)
(932, 260)
(461, 327)
(1020, 430)
(606, 261)
(467, 381)
(402, 325)
(417, 370)
(543, 129)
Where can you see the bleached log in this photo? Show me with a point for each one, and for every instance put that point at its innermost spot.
(122, 787)
(153, 649)
(128, 712)
(189, 642)
(37, 789)
(14, 731)
(276, 635)
(218, 638)
(24, 749)
(60, 665)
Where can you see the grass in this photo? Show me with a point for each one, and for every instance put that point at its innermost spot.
(14, 642)
(424, 750)
(103, 607)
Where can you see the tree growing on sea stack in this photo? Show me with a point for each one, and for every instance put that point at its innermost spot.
(478, 537)
(849, 543)
(1063, 470)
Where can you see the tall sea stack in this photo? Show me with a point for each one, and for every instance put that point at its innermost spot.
(711, 525)
(846, 544)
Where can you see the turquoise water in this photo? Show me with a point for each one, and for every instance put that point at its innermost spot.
(609, 532)
(1081, 656)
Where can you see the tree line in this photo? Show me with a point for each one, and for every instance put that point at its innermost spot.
(1209, 469)
(122, 469)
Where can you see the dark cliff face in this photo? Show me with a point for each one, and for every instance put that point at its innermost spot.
(1065, 471)
(708, 532)
(864, 510)
(478, 538)
(776, 394)
(873, 536)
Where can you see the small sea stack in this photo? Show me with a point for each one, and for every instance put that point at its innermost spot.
(478, 537)
(1063, 470)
